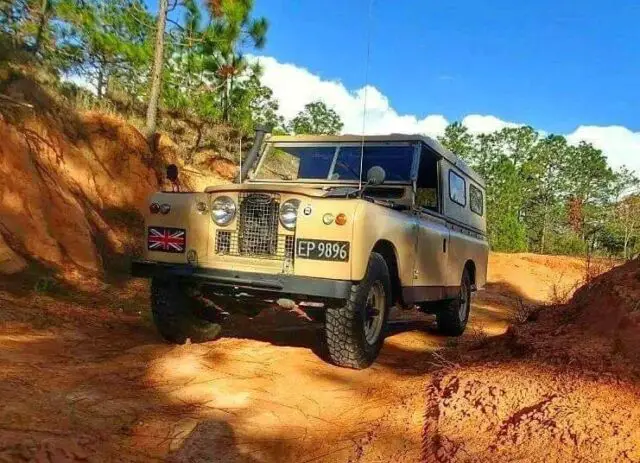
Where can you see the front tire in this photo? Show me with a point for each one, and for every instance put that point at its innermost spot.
(174, 315)
(355, 332)
(452, 319)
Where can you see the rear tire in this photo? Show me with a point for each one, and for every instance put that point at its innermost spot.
(355, 332)
(174, 316)
(452, 319)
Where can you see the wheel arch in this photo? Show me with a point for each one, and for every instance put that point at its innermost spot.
(470, 266)
(390, 255)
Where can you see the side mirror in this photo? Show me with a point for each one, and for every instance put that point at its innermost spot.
(172, 172)
(172, 175)
(376, 176)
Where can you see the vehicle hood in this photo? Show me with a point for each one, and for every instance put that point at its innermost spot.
(315, 191)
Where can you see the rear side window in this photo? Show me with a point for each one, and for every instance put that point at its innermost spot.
(457, 189)
(476, 201)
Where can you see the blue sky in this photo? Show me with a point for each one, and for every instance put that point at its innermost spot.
(567, 67)
(552, 64)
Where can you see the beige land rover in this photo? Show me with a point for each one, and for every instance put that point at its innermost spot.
(341, 227)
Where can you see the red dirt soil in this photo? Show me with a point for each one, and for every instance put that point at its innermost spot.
(561, 387)
(74, 185)
(84, 376)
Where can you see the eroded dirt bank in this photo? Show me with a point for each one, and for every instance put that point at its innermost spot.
(85, 377)
(563, 386)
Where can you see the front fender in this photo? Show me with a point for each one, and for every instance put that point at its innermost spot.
(373, 223)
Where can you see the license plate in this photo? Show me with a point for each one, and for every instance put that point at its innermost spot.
(323, 250)
(165, 239)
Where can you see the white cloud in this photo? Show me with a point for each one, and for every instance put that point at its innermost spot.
(621, 145)
(477, 123)
(295, 86)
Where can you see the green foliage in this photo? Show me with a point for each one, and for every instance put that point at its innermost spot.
(207, 69)
(316, 119)
(109, 44)
(566, 243)
(254, 105)
(547, 196)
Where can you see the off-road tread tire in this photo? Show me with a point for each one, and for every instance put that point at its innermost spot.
(448, 319)
(344, 327)
(174, 316)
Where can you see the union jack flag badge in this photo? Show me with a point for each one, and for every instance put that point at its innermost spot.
(166, 239)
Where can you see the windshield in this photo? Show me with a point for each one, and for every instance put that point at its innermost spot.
(334, 162)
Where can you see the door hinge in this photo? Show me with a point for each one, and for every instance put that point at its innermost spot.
(415, 274)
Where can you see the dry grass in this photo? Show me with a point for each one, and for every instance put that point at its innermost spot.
(522, 312)
(561, 294)
(476, 337)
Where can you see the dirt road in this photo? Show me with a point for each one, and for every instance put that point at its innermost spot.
(84, 376)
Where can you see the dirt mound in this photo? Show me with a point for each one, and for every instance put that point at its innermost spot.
(610, 306)
(74, 184)
(598, 329)
(561, 386)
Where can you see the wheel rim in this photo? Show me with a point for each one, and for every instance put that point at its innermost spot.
(374, 313)
(463, 309)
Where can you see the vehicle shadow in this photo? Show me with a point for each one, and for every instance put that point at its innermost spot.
(492, 312)
(202, 444)
(278, 327)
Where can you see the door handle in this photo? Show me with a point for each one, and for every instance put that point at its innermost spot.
(444, 245)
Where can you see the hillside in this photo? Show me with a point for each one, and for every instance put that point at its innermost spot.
(74, 184)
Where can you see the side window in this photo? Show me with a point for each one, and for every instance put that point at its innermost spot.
(427, 198)
(476, 201)
(457, 189)
(427, 186)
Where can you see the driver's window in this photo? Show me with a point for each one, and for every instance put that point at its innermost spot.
(427, 186)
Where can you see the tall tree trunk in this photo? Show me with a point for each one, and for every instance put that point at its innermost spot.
(156, 73)
(225, 100)
(100, 83)
(626, 244)
(44, 20)
(543, 234)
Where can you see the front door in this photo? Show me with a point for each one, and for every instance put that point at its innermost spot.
(431, 252)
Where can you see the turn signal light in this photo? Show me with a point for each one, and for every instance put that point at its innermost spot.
(341, 219)
(154, 208)
(165, 208)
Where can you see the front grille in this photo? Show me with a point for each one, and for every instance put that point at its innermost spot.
(228, 243)
(223, 242)
(256, 233)
(258, 224)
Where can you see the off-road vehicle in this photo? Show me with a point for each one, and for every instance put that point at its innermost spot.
(342, 227)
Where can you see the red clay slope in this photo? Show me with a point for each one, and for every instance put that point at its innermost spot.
(73, 185)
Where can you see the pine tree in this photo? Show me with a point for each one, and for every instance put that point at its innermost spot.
(156, 73)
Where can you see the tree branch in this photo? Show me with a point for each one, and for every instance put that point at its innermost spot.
(169, 20)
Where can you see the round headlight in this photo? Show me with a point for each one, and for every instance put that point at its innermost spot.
(223, 210)
(289, 213)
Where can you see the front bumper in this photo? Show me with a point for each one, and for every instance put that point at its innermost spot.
(280, 284)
